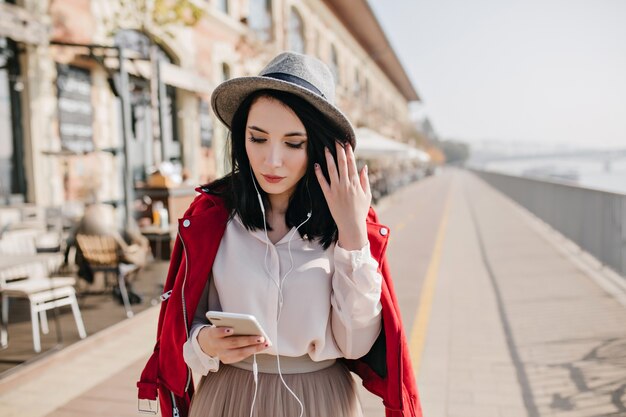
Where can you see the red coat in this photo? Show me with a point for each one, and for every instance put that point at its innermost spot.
(386, 370)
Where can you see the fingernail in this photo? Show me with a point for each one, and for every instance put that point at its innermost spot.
(229, 330)
(259, 340)
(317, 165)
(267, 345)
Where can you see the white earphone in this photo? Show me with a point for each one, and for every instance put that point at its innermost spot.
(279, 285)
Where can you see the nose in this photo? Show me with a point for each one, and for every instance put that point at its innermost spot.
(275, 157)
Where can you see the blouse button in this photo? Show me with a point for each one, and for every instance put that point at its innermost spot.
(383, 231)
(186, 223)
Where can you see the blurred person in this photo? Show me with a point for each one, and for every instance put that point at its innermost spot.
(289, 237)
(133, 247)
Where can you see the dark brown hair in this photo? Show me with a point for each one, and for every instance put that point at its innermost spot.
(237, 187)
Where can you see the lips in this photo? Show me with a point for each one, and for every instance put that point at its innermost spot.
(272, 178)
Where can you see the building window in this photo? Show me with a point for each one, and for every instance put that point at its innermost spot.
(260, 19)
(222, 5)
(334, 64)
(75, 111)
(225, 71)
(12, 173)
(135, 41)
(356, 88)
(142, 122)
(296, 32)
(170, 123)
(206, 124)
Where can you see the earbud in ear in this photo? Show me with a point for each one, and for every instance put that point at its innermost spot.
(309, 214)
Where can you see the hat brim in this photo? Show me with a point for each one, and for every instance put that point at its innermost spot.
(228, 96)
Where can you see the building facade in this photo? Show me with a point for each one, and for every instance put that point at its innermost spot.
(80, 122)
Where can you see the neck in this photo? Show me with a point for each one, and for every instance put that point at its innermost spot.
(279, 204)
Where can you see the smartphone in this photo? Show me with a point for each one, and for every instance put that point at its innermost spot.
(242, 324)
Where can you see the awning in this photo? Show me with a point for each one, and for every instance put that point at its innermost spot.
(416, 154)
(21, 26)
(373, 145)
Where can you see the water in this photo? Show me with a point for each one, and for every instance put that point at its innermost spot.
(595, 173)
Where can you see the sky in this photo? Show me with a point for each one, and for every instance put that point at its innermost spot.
(526, 71)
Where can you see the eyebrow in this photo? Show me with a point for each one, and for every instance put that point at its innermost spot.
(290, 134)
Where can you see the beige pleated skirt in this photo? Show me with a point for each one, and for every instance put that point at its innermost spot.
(329, 392)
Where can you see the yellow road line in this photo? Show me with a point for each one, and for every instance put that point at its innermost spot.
(420, 325)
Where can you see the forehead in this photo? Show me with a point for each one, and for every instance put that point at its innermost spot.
(273, 115)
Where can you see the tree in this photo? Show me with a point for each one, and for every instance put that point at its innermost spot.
(146, 14)
(456, 152)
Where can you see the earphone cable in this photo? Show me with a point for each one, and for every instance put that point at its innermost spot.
(280, 308)
(279, 285)
(255, 373)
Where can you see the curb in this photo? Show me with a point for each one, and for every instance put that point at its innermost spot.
(31, 371)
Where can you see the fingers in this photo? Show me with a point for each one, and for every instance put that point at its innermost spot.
(236, 355)
(333, 175)
(343, 171)
(342, 163)
(236, 342)
(221, 338)
(322, 180)
(351, 162)
(365, 181)
(220, 332)
(220, 342)
(240, 347)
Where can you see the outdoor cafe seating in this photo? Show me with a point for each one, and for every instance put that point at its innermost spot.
(35, 250)
(103, 254)
(27, 277)
(29, 256)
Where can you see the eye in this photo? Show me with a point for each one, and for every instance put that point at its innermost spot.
(256, 140)
(295, 145)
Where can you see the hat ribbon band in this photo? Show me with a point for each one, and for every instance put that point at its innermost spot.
(294, 80)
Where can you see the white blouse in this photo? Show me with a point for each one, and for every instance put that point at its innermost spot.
(331, 298)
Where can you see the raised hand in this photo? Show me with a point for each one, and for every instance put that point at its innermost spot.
(348, 196)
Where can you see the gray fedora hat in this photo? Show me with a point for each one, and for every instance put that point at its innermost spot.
(302, 75)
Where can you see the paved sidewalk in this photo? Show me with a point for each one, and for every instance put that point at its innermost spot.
(90, 377)
(516, 329)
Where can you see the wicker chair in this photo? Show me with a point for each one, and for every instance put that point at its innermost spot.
(103, 254)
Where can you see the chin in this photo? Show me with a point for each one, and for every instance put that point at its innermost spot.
(277, 189)
(274, 190)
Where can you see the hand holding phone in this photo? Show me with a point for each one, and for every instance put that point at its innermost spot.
(242, 324)
(235, 337)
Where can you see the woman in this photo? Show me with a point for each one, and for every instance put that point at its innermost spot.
(289, 237)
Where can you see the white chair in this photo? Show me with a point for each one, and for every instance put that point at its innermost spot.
(43, 293)
(25, 241)
(8, 216)
(19, 242)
